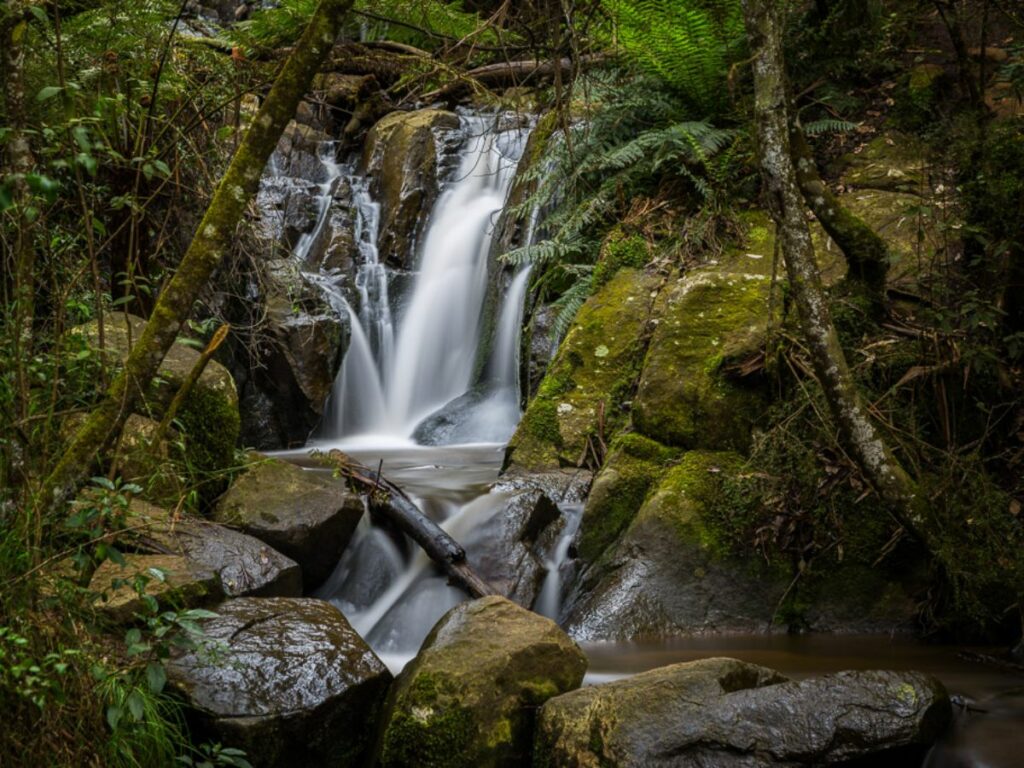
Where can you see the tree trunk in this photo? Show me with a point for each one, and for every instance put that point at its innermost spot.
(209, 244)
(864, 443)
(390, 501)
(867, 255)
(20, 163)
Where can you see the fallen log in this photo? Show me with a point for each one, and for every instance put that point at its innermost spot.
(389, 500)
(513, 73)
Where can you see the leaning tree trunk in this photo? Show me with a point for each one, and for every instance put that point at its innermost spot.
(867, 255)
(862, 440)
(209, 244)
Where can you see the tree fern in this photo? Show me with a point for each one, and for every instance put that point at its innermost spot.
(690, 44)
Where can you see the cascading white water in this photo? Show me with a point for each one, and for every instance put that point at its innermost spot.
(430, 360)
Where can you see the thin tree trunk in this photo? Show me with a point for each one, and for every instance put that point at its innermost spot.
(864, 443)
(867, 255)
(20, 163)
(209, 244)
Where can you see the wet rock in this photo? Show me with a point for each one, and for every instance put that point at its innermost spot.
(723, 712)
(481, 415)
(401, 155)
(209, 415)
(307, 516)
(174, 580)
(633, 467)
(244, 564)
(296, 686)
(505, 551)
(593, 373)
(541, 347)
(470, 695)
(670, 572)
(706, 321)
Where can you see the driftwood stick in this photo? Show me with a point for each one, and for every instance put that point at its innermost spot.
(389, 500)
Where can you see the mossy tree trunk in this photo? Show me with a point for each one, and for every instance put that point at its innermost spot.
(20, 162)
(764, 25)
(867, 255)
(209, 244)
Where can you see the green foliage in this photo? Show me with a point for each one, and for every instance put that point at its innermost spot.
(689, 45)
(422, 23)
(23, 674)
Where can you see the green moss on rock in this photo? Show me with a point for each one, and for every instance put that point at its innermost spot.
(603, 347)
(684, 398)
(470, 696)
(620, 250)
(209, 416)
(634, 464)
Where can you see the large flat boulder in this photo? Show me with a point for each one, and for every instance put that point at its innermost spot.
(726, 713)
(307, 516)
(470, 696)
(296, 686)
(245, 565)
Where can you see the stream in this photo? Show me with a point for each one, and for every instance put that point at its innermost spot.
(412, 376)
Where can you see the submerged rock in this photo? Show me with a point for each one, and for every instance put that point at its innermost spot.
(722, 712)
(401, 155)
(308, 516)
(294, 685)
(670, 572)
(470, 695)
(244, 564)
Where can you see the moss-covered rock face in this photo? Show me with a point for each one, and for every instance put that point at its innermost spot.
(633, 466)
(620, 250)
(672, 571)
(209, 415)
(596, 368)
(730, 714)
(685, 399)
(150, 463)
(470, 696)
(401, 156)
(307, 516)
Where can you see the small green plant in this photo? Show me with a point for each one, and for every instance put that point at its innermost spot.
(23, 674)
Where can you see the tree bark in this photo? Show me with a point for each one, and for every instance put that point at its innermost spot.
(20, 163)
(863, 441)
(867, 255)
(209, 244)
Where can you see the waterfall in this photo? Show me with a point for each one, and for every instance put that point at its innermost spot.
(397, 374)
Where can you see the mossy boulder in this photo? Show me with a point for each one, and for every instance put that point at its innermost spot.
(726, 713)
(634, 465)
(244, 564)
(401, 156)
(209, 416)
(592, 377)
(673, 571)
(294, 685)
(470, 696)
(175, 581)
(153, 464)
(619, 250)
(308, 516)
(685, 397)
